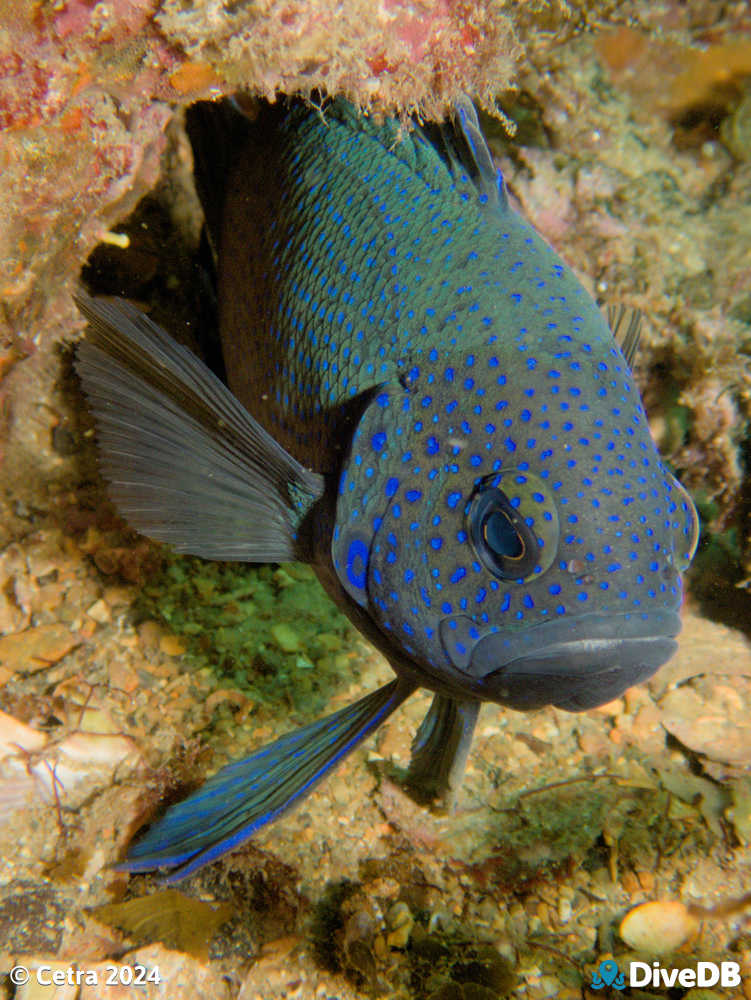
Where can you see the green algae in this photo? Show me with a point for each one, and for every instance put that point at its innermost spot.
(592, 822)
(271, 631)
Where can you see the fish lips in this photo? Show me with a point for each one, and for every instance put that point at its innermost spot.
(573, 663)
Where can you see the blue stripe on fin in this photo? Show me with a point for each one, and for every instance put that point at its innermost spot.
(246, 795)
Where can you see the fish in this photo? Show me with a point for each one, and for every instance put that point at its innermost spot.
(424, 403)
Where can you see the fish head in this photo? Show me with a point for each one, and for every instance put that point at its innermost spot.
(509, 524)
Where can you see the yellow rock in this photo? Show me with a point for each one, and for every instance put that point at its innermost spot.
(100, 612)
(658, 927)
(172, 645)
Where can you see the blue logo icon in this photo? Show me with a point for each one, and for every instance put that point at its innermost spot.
(608, 975)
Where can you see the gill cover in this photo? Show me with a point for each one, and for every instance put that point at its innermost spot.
(364, 489)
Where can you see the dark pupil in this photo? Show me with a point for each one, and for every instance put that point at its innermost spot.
(501, 536)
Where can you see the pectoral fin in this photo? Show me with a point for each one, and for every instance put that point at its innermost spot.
(185, 462)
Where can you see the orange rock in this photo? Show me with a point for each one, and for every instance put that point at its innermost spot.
(630, 882)
(658, 927)
(193, 77)
(646, 880)
(36, 648)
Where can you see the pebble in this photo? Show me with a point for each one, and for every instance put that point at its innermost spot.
(646, 880)
(36, 648)
(119, 596)
(149, 636)
(123, 677)
(658, 927)
(630, 882)
(548, 986)
(196, 979)
(172, 645)
(329, 641)
(33, 990)
(711, 718)
(100, 612)
(16, 735)
(285, 637)
(97, 749)
(400, 923)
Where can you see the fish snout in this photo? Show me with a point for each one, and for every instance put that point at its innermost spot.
(576, 664)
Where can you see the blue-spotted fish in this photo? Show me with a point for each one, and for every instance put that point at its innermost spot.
(426, 405)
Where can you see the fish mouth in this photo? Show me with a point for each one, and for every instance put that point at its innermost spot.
(574, 664)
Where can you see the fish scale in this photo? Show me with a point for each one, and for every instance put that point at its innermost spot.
(362, 286)
(428, 407)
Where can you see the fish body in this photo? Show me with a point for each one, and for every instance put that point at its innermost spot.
(426, 405)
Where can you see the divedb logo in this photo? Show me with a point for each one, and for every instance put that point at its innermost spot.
(725, 974)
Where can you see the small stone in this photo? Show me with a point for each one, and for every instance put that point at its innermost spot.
(100, 612)
(658, 927)
(285, 637)
(646, 880)
(96, 720)
(96, 749)
(172, 645)
(592, 741)
(16, 736)
(36, 990)
(123, 676)
(400, 923)
(118, 596)
(86, 628)
(710, 717)
(548, 986)
(329, 641)
(149, 636)
(229, 696)
(36, 648)
(381, 947)
(630, 882)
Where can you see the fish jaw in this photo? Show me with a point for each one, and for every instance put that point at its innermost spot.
(575, 663)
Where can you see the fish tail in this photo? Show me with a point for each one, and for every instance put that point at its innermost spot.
(246, 795)
(185, 462)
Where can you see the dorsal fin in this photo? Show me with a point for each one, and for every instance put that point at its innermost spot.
(625, 325)
(216, 129)
(487, 177)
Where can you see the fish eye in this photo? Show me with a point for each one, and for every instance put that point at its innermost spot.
(504, 543)
(512, 523)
